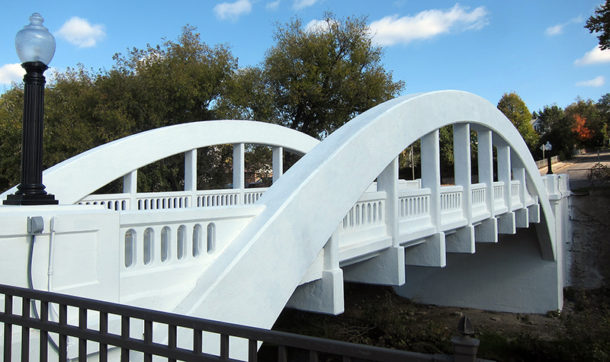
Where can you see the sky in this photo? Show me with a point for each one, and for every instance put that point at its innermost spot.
(538, 49)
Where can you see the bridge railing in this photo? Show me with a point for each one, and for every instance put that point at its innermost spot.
(174, 199)
(413, 200)
(499, 202)
(74, 325)
(515, 191)
(479, 201)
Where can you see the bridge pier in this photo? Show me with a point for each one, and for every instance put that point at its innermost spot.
(506, 223)
(487, 231)
(324, 295)
(430, 252)
(522, 218)
(387, 268)
(461, 241)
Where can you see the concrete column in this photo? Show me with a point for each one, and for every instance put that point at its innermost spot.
(431, 174)
(486, 166)
(431, 251)
(461, 165)
(462, 241)
(487, 231)
(190, 175)
(239, 170)
(388, 181)
(130, 186)
(506, 221)
(504, 171)
(190, 170)
(278, 163)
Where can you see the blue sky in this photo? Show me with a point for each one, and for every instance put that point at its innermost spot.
(538, 49)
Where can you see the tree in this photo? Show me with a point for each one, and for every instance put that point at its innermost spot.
(178, 81)
(315, 80)
(603, 106)
(515, 109)
(600, 23)
(174, 83)
(580, 129)
(587, 123)
(11, 108)
(556, 128)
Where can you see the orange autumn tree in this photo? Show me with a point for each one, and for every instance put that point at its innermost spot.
(580, 129)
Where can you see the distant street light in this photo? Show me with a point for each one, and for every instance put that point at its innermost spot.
(548, 147)
(35, 47)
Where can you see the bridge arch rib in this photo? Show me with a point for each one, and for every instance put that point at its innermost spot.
(305, 206)
(83, 174)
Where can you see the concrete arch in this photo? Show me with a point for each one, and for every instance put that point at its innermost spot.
(81, 175)
(305, 206)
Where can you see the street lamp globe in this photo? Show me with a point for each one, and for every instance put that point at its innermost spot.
(34, 43)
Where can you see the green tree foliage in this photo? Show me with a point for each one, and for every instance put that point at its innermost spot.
(147, 88)
(603, 106)
(515, 109)
(315, 80)
(170, 84)
(556, 128)
(11, 108)
(600, 23)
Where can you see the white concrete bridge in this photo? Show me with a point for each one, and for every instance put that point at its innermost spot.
(341, 213)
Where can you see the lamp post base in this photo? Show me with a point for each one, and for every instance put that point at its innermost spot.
(31, 199)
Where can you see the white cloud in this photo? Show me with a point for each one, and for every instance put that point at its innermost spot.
(554, 30)
(594, 56)
(558, 29)
(273, 5)
(10, 73)
(595, 82)
(232, 11)
(81, 33)
(392, 30)
(301, 4)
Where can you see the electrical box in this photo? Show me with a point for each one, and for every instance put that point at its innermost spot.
(35, 225)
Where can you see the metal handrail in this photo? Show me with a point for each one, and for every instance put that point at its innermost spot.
(315, 346)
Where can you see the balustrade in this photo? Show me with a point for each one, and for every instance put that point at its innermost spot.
(499, 202)
(414, 203)
(451, 198)
(368, 211)
(515, 191)
(478, 195)
(252, 195)
(174, 199)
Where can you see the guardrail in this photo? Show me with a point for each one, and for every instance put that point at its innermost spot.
(174, 199)
(123, 342)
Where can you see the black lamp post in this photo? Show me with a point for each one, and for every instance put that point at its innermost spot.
(35, 47)
(549, 161)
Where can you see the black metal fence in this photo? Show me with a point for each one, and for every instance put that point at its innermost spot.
(34, 314)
